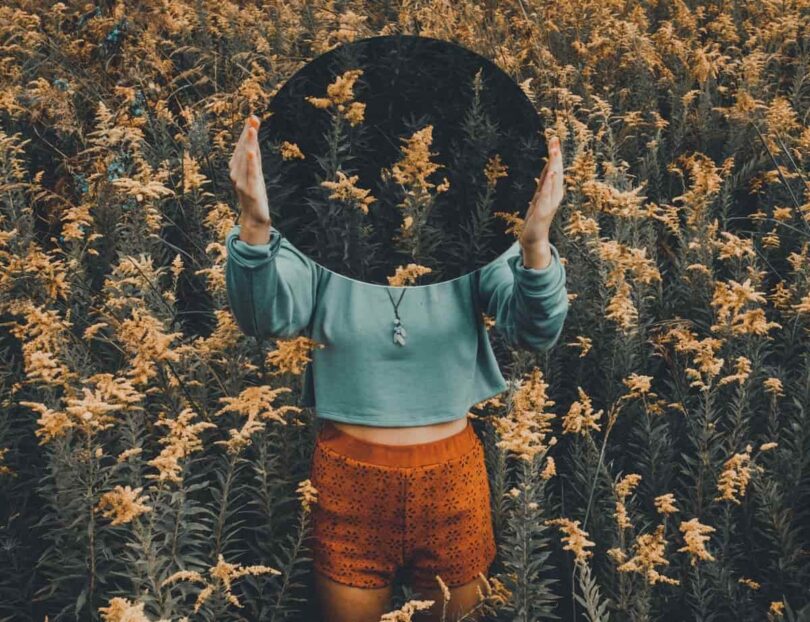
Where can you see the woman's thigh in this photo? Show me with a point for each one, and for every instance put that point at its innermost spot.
(465, 602)
(338, 602)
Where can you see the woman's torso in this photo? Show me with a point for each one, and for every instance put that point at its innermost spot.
(403, 436)
(357, 317)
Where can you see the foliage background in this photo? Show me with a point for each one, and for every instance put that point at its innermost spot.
(142, 435)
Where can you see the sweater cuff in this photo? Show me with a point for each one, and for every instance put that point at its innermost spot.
(252, 256)
(537, 280)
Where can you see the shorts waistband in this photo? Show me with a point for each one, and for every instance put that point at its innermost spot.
(411, 455)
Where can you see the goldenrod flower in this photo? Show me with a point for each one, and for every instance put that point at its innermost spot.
(649, 553)
(445, 590)
(694, 535)
(524, 431)
(581, 417)
(773, 386)
(583, 343)
(622, 489)
(777, 608)
(743, 370)
(407, 275)
(291, 356)
(495, 169)
(290, 150)
(123, 504)
(308, 494)
(344, 189)
(223, 574)
(735, 476)
(181, 441)
(639, 385)
(550, 470)
(406, 612)
(750, 583)
(576, 539)
(665, 504)
(122, 610)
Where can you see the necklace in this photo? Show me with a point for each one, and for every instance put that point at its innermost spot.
(399, 329)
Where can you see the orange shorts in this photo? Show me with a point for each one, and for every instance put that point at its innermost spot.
(422, 507)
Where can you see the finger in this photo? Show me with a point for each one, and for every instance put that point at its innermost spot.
(240, 141)
(253, 141)
(555, 152)
(235, 162)
(554, 161)
(249, 143)
(540, 180)
(251, 121)
(253, 170)
(548, 187)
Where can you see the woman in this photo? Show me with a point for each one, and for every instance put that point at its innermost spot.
(400, 472)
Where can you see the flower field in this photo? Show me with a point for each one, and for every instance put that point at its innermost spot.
(653, 465)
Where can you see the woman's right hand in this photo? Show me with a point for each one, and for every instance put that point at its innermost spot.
(248, 181)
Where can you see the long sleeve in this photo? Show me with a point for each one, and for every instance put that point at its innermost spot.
(529, 305)
(271, 287)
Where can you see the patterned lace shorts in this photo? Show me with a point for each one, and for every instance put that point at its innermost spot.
(422, 507)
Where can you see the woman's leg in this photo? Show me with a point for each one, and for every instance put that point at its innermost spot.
(338, 602)
(464, 603)
(450, 531)
(357, 531)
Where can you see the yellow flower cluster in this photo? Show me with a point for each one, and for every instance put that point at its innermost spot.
(581, 417)
(123, 610)
(256, 404)
(308, 494)
(291, 356)
(340, 95)
(742, 371)
(575, 539)
(730, 298)
(413, 168)
(407, 611)
(223, 575)
(694, 533)
(735, 476)
(524, 431)
(182, 440)
(407, 275)
(622, 490)
(122, 504)
(90, 414)
(665, 504)
(649, 553)
(495, 169)
(344, 189)
(290, 151)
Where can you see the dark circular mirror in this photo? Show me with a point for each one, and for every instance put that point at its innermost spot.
(398, 151)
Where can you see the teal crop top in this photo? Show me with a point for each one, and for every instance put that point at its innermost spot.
(362, 376)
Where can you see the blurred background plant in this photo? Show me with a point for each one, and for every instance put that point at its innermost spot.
(652, 466)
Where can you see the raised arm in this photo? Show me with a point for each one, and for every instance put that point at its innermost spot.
(529, 305)
(272, 287)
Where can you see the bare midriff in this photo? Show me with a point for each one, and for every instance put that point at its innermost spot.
(403, 436)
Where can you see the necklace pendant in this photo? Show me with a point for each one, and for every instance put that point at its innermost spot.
(399, 333)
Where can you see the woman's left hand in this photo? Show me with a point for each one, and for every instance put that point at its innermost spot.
(534, 236)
